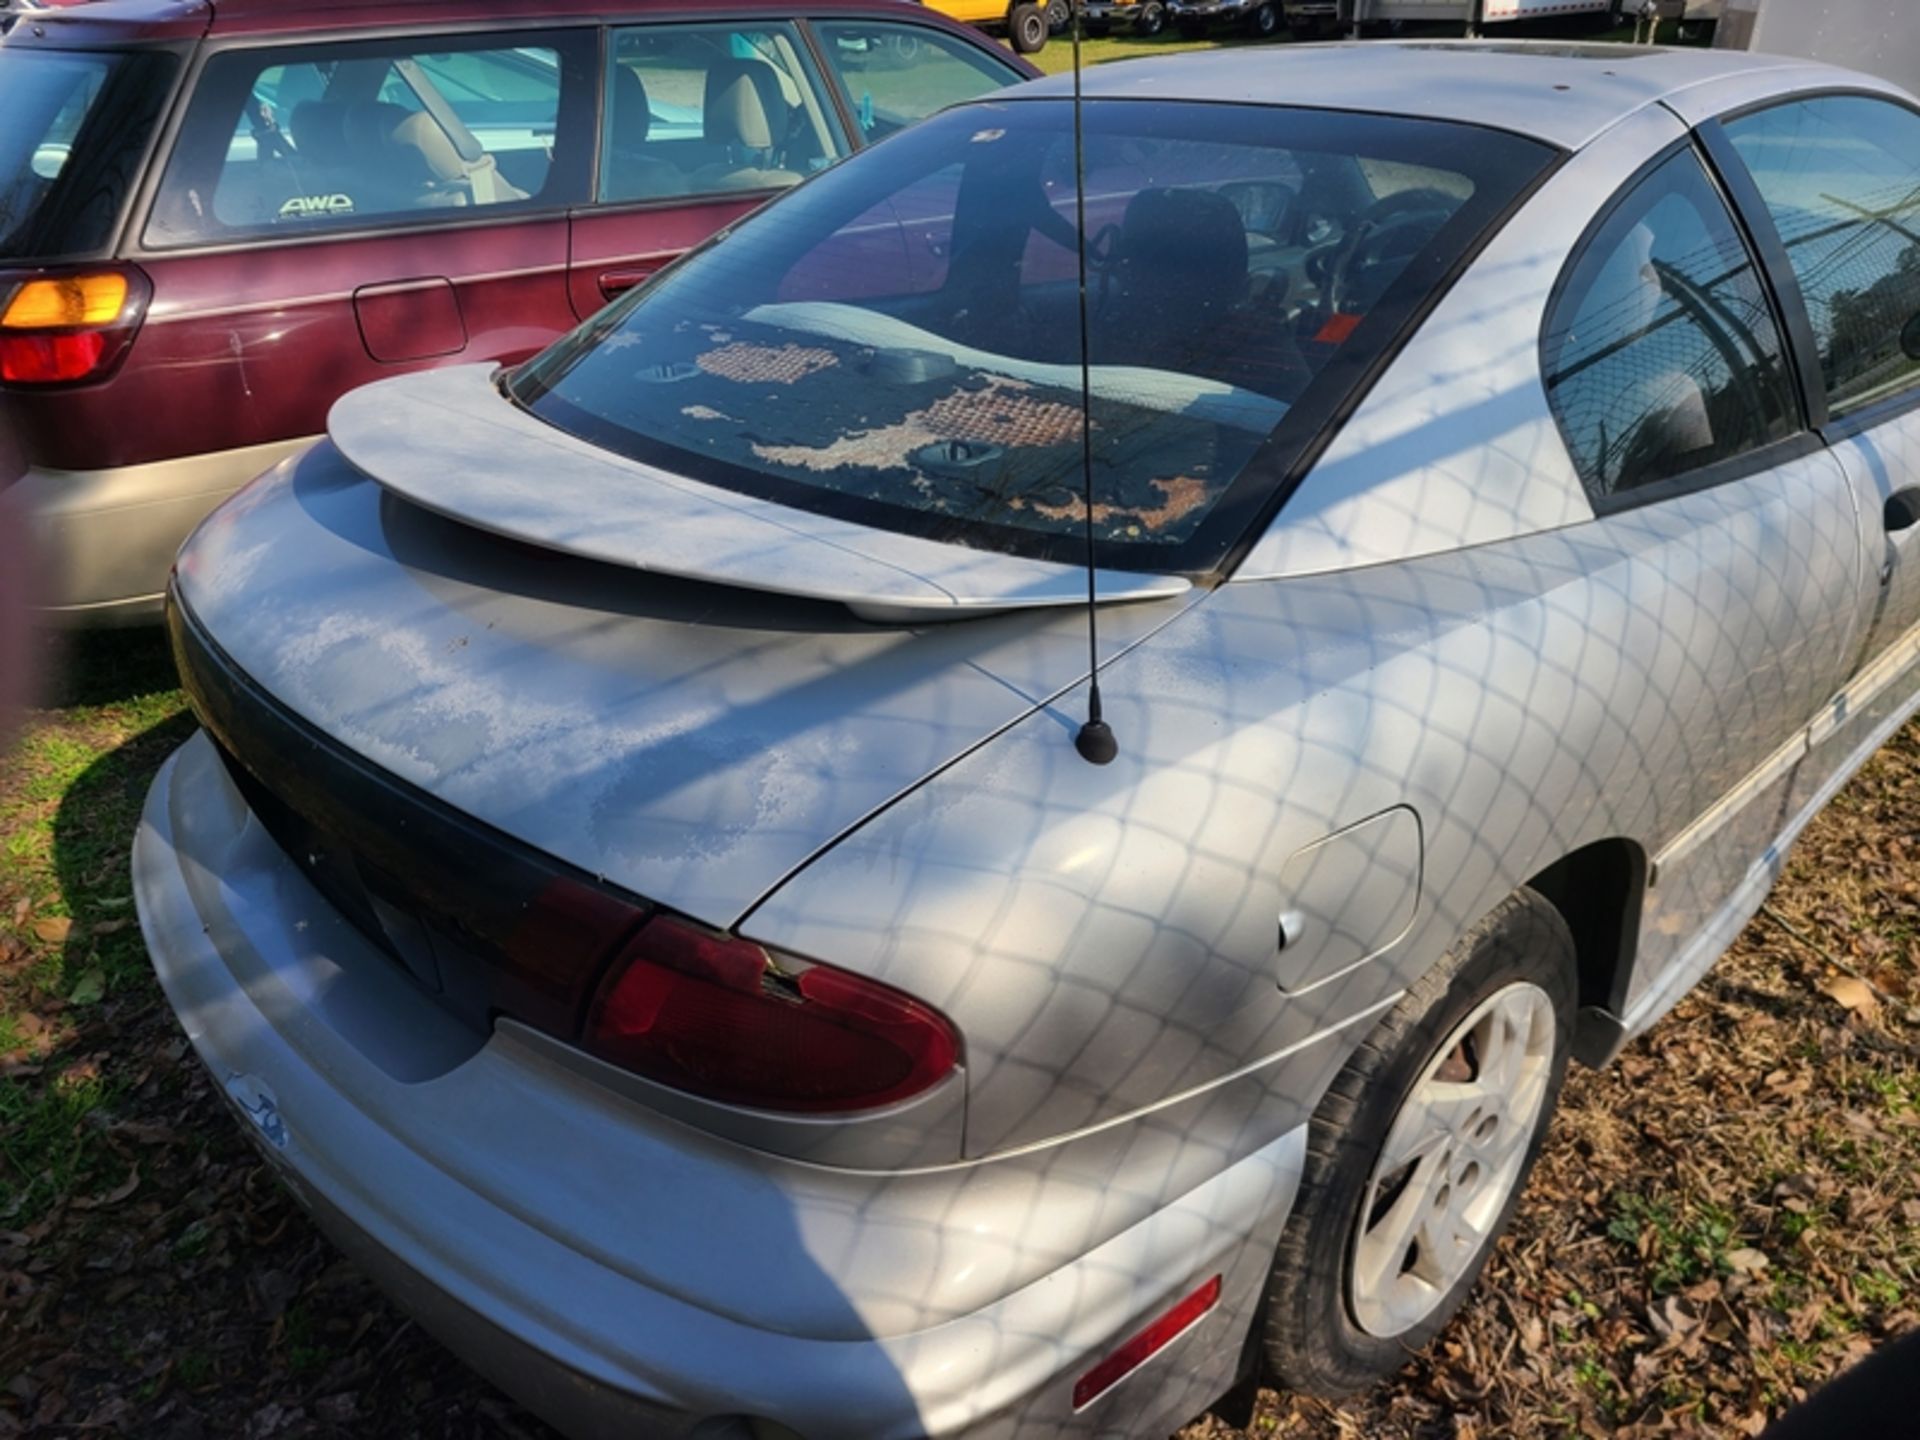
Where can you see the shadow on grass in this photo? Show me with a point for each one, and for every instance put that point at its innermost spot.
(93, 989)
(92, 849)
(102, 667)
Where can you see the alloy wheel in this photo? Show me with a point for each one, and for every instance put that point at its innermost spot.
(1453, 1154)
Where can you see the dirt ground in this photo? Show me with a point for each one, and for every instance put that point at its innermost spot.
(1724, 1219)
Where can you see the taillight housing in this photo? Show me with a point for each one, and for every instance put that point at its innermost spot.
(69, 327)
(729, 1020)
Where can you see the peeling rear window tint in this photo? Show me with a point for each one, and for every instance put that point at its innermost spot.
(898, 342)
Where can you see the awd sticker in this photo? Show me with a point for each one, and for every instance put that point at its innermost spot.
(301, 205)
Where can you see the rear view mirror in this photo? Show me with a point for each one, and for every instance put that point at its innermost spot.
(1910, 338)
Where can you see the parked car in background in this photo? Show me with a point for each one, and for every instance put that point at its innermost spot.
(216, 220)
(1144, 18)
(1482, 12)
(1310, 19)
(1027, 23)
(1194, 19)
(638, 883)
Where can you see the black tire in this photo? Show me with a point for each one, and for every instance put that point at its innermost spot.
(1059, 17)
(1149, 19)
(1027, 27)
(1314, 1343)
(1192, 29)
(1264, 22)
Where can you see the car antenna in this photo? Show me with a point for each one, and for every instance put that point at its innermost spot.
(1095, 740)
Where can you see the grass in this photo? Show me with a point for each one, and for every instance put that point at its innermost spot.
(1057, 58)
(70, 949)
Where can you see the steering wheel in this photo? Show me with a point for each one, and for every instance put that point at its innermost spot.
(1388, 232)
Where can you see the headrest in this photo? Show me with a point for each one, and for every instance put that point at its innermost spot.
(632, 113)
(1197, 232)
(744, 105)
(319, 130)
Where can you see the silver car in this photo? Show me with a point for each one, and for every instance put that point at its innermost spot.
(638, 882)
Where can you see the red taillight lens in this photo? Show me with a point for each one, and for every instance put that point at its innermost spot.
(719, 1017)
(1142, 1347)
(63, 329)
(32, 359)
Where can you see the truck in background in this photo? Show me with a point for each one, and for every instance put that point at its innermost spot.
(1881, 37)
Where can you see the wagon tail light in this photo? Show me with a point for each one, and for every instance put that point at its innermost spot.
(732, 1021)
(68, 329)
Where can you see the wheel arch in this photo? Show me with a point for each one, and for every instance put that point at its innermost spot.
(1598, 890)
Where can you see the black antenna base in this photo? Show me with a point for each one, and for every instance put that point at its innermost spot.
(1096, 744)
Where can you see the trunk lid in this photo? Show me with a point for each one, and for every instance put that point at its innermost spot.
(688, 742)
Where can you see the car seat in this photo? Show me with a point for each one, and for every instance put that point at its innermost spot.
(632, 174)
(407, 161)
(747, 114)
(1179, 268)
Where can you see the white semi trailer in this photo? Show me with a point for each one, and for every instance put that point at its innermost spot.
(1878, 36)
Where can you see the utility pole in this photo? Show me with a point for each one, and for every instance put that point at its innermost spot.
(1476, 17)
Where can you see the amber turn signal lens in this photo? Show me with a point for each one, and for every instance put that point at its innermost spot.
(72, 300)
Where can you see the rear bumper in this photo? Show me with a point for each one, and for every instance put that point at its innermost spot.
(625, 1275)
(106, 538)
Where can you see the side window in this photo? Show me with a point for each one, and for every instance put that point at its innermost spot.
(1841, 176)
(709, 109)
(318, 136)
(1661, 353)
(895, 74)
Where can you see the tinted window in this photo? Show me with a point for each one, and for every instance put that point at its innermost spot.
(707, 109)
(895, 74)
(1841, 176)
(898, 341)
(76, 127)
(1661, 352)
(338, 135)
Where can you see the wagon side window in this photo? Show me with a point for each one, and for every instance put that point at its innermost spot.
(290, 141)
(893, 74)
(1661, 354)
(713, 109)
(1841, 177)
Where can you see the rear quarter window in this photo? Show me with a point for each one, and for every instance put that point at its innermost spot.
(76, 128)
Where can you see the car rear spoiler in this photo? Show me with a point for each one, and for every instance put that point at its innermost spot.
(451, 442)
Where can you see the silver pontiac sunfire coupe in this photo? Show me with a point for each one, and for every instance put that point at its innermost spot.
(637, 882)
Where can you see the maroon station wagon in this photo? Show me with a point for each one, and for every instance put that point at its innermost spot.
(215, 219)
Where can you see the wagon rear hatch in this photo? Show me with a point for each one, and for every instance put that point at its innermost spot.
(75, 133)
(78, 122)
(688, 743)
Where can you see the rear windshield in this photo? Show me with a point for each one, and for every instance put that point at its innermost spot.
(76, 127)
(898, 342)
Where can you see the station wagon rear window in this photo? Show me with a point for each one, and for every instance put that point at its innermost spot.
(76, 128)
(897, 342)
